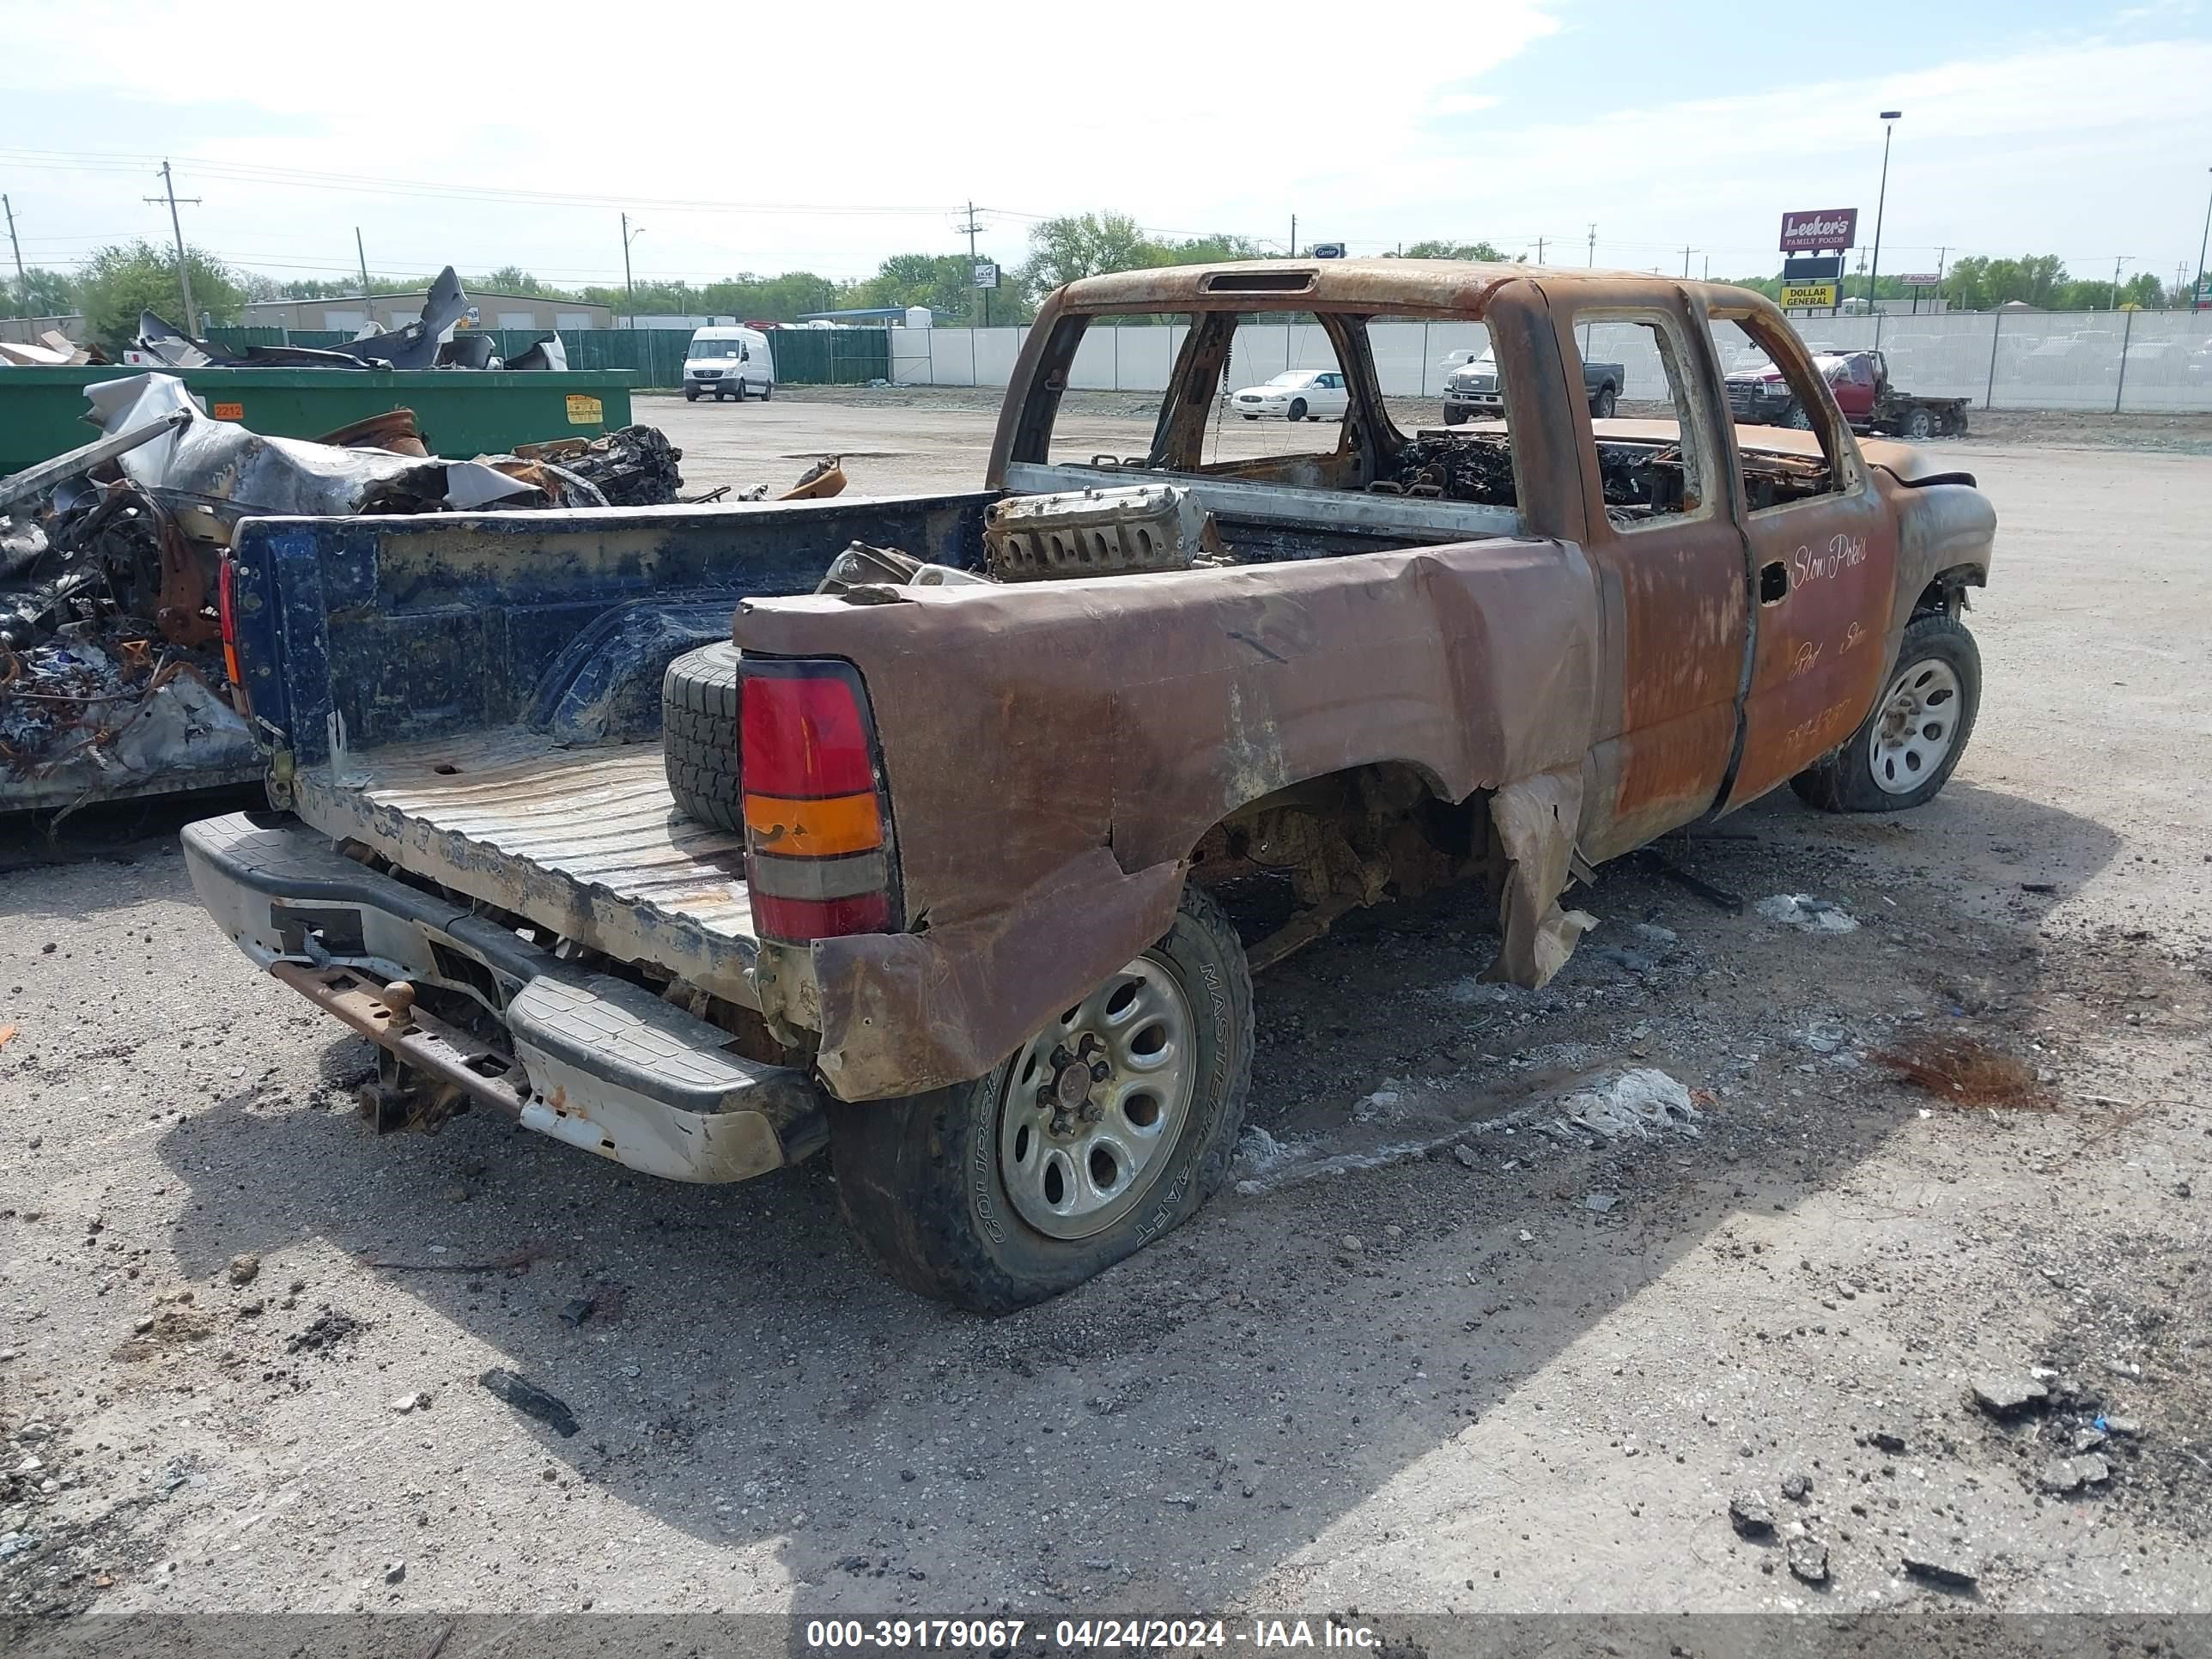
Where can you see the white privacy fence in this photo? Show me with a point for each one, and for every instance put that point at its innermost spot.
(2138, 361)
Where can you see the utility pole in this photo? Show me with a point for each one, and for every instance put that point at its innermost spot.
(1540, 250)
(1592, 244)
(1294, 236)
(364, 252)
(22, 282)
(2118, 260)
(1881, 201)
(1686, 252)
(971, 227)
(184, 265)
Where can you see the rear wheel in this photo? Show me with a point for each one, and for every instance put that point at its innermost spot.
(1919, 422)
(768, 390)
(1105, 1130)
(1604, 404)
(699, 734)
(1907, 748)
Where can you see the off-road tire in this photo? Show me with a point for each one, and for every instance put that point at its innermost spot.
(1843, 781)
(699, 734)
(919, 1178)
(1603, 406)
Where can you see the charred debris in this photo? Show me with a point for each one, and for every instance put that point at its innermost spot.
(113, 678)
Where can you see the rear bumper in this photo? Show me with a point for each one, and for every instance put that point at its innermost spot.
(594, 1060)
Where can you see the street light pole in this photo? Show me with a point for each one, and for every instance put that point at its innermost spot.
(2197, 295)
(1881, 201)
(629, 288)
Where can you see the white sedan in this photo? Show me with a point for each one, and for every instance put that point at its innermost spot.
(1302, 394)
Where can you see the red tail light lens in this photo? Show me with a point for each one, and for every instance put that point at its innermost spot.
(817, 853)
(226, 607)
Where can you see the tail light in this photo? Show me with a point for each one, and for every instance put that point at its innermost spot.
(226, 607)
(818, 842)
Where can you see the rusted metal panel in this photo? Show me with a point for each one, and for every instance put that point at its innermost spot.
(1103, 726)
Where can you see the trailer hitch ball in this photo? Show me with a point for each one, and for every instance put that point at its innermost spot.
(399, 1003)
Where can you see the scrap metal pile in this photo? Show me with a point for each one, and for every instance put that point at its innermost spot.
(111, 672)
(430, 342)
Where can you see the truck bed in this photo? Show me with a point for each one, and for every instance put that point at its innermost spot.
(583, 840)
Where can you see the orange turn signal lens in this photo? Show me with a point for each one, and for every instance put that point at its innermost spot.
(813, 829)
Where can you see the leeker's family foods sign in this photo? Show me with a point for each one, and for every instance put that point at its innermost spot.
(1821, 228)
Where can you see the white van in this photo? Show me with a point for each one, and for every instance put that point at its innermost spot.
(728, 362)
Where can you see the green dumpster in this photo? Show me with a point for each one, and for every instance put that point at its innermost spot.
(461, 412)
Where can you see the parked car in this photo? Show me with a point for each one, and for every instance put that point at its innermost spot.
(1474, 390)
(728, 362)
(923, 865)
(1298, 394)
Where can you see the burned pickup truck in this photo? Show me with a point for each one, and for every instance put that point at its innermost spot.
(605, 820)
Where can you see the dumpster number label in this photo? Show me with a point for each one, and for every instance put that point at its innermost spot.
(585, 412)
(230, 412)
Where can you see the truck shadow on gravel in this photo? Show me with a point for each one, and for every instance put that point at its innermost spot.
(1188, 1426)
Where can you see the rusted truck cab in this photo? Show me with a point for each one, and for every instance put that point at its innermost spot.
(1509, 651)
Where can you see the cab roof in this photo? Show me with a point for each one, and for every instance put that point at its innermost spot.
(1444, 287)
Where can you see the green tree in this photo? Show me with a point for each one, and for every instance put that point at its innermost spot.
(1208, 250)
(125, 278)
(1435, 250)
(42, 294)
(513, 279)
(943, 282)
(1078, 245)
(1978, 283)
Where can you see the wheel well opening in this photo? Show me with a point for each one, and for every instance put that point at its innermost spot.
(1338, 843)
(1946, 593)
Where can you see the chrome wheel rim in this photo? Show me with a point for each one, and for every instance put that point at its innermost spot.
(1095, 1103)
(1917, 728)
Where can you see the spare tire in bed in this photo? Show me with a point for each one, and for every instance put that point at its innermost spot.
(699, 734)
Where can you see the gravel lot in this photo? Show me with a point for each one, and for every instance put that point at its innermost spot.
(1438, 1350)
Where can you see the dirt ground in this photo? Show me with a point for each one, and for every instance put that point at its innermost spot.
(1442, 1348)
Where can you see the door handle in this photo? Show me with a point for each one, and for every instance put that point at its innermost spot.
(1774, 582)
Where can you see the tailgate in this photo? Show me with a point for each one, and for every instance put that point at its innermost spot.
(585, 842)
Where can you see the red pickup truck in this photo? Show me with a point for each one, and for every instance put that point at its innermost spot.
(923, 865)
(1760, 395)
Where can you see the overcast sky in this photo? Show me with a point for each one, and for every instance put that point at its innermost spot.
(762, 139)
